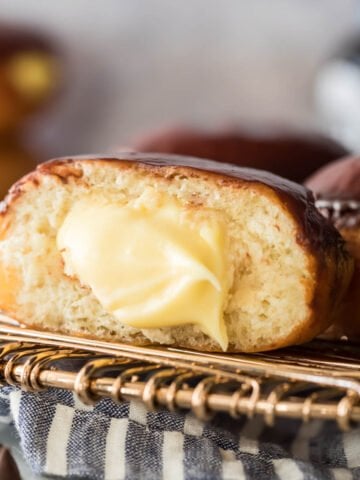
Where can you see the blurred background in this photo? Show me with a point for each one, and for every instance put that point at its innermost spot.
(123, 67)
(78, 76)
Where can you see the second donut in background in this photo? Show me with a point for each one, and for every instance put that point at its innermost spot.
(290, 155)
(340, 180)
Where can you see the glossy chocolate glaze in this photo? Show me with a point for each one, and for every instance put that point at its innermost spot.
(289, 154)
(315, 232)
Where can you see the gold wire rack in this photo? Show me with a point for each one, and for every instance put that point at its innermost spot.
(320, 380)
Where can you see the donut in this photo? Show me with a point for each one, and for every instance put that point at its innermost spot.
(172, 250)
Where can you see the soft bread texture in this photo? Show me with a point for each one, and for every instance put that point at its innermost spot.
(289, 265)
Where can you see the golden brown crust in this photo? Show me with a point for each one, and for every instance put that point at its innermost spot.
(329, 262)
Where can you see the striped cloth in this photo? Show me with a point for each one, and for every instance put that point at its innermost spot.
(60, 436)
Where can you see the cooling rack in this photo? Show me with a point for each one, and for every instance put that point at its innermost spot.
(342, 213)
(318, 380)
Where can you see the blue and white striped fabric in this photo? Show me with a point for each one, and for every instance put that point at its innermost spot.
(59, 436)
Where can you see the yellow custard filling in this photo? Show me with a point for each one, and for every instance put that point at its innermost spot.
(150, 264)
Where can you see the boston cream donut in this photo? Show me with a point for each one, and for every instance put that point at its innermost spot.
(169, 250)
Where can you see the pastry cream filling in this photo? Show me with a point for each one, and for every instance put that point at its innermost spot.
(150, 264)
